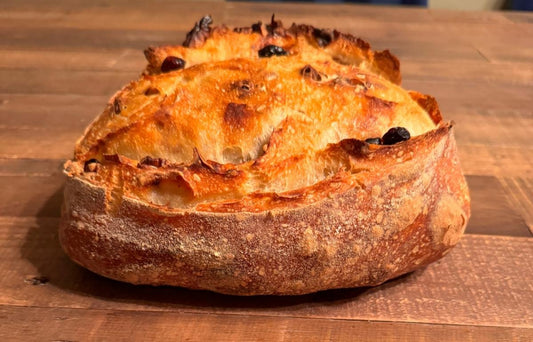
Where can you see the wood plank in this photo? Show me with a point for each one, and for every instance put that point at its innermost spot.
(31, 196)
(480, 282)
(67, 112)
(416, 39)
(394, 36)
(138, 15)
(60, 324)
(489, 40)
(58, 143)
(54, 5)
(472, 17)
(453, 95)
(133, 60)
(31, 187)
(493, 128)
(519, 193)
(33, 81)
(519, 17)
(478, 159)
(118, 60)
(34, 188)
(461, 70)
(252, 11)
(492, 212)
(31, 167)
(16, 142)
(46, 38)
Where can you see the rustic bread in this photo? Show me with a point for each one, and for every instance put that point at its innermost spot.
(264, 160)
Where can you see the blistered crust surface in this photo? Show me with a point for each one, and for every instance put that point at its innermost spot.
(232, 126)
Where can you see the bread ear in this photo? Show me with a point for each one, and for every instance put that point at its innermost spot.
(429, 103)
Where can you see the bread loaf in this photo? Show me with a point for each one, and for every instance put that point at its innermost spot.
(264, 160)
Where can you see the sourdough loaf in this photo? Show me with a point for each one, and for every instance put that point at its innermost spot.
(264, 160)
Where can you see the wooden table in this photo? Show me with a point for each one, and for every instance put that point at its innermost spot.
(61, 60)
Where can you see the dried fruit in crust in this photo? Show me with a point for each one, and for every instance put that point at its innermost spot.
(264, 160)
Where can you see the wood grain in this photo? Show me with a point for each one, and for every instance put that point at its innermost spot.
(31, 187)
(119, 60)
(492, 213)
(67, 112)
(519, 193)
(59, 324)
(34, 81)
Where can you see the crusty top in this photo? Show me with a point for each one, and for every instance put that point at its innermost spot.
(246, 119)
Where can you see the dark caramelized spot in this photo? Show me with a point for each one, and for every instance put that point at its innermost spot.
(323, 37)
(149, 161)
(237, 114)
(199, 33)
(91, 165)
(116, 106)
(373, 141)
(246, 30)
(151, 91)
(395, 135)
(163, 117)
(258, 27)
(310, 72)
(275, 27)
(354, 147)
(272, 50)
(172, 63)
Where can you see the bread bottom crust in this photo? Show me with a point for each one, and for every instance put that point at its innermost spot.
(384, 227)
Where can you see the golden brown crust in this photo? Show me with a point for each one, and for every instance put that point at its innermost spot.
(249, 175)
(218, 43)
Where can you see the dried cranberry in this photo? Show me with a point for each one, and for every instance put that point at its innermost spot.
(172, 63)
(395, 135)
(373, 141)
(323, 37)
(91, 165)
(116, 106)
(272, 50)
